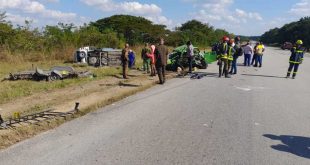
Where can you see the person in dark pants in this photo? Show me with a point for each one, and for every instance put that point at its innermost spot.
(190, 55)
(260, 48)
(248, 51)
(161, 55)
(230, 54)
(238, 52)
(254, 59)
(222, 57)
(146, 60)
(124, 58)
(296, 59)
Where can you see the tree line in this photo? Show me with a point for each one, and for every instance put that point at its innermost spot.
(289, 33)
(112, 32)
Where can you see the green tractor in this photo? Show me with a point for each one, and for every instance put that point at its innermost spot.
(178, 58)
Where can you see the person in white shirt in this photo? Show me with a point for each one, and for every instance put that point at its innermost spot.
(190, 55)
(248, 51)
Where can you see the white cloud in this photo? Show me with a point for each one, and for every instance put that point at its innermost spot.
(53, 1)
(217, 6)
(138, 8)
(204, 16)
(161, 20)
(18, 19)
(25, 5)
(126, 7)
(211, 5)
(242, 14)
(301, 8)
(37, 8)
(220, 14)
(150, 11)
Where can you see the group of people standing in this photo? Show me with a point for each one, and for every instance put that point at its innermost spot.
(154, 60)
(255, 54)
(230, 50)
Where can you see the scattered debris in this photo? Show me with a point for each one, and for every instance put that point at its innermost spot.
(17, 119)
(55, 73)
(198, 75)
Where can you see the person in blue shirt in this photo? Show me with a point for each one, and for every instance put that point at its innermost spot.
(131, 57)
(296, 58)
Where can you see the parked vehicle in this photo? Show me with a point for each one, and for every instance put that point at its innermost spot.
(287, 45)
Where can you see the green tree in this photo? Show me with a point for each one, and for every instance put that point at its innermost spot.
(289, 32)
(135, 30)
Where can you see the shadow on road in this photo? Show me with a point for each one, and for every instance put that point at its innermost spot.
(297, 145)
(258, 75)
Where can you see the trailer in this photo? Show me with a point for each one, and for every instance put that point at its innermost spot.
(105, 57)
(55, 73)
(98, 56)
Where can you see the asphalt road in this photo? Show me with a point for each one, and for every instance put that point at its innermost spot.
(256, 117)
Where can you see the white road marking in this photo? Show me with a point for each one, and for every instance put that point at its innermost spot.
(249, 88)
(244, 89)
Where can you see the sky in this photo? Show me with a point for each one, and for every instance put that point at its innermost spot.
(242, 17)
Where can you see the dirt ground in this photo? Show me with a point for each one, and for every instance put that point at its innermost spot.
(91, 96)
(63, 100)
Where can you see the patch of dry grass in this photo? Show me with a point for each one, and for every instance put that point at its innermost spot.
(21, 133)
(10, 90)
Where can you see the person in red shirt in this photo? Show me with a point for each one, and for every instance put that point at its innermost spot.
(151, 55)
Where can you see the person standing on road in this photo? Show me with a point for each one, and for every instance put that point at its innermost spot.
(254, 59)
(151, 55)
(260, 48)
(222, 55)
(231, 52)
(146, 60)
(124, 58)
(161, 56)
(296, 58)
(248, 51)
(238, 52)
(190, 55)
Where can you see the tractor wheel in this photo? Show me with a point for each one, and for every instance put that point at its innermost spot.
(104, 61)
(82, 55)
(92, 60)
(204, 65)
(54, 77)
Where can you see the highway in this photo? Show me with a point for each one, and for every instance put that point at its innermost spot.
(257, 117)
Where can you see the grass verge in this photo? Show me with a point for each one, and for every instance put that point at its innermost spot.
(19, 134)
(10, 90)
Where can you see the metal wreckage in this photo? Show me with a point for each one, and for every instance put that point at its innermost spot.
(55, 73)
(178, 58)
